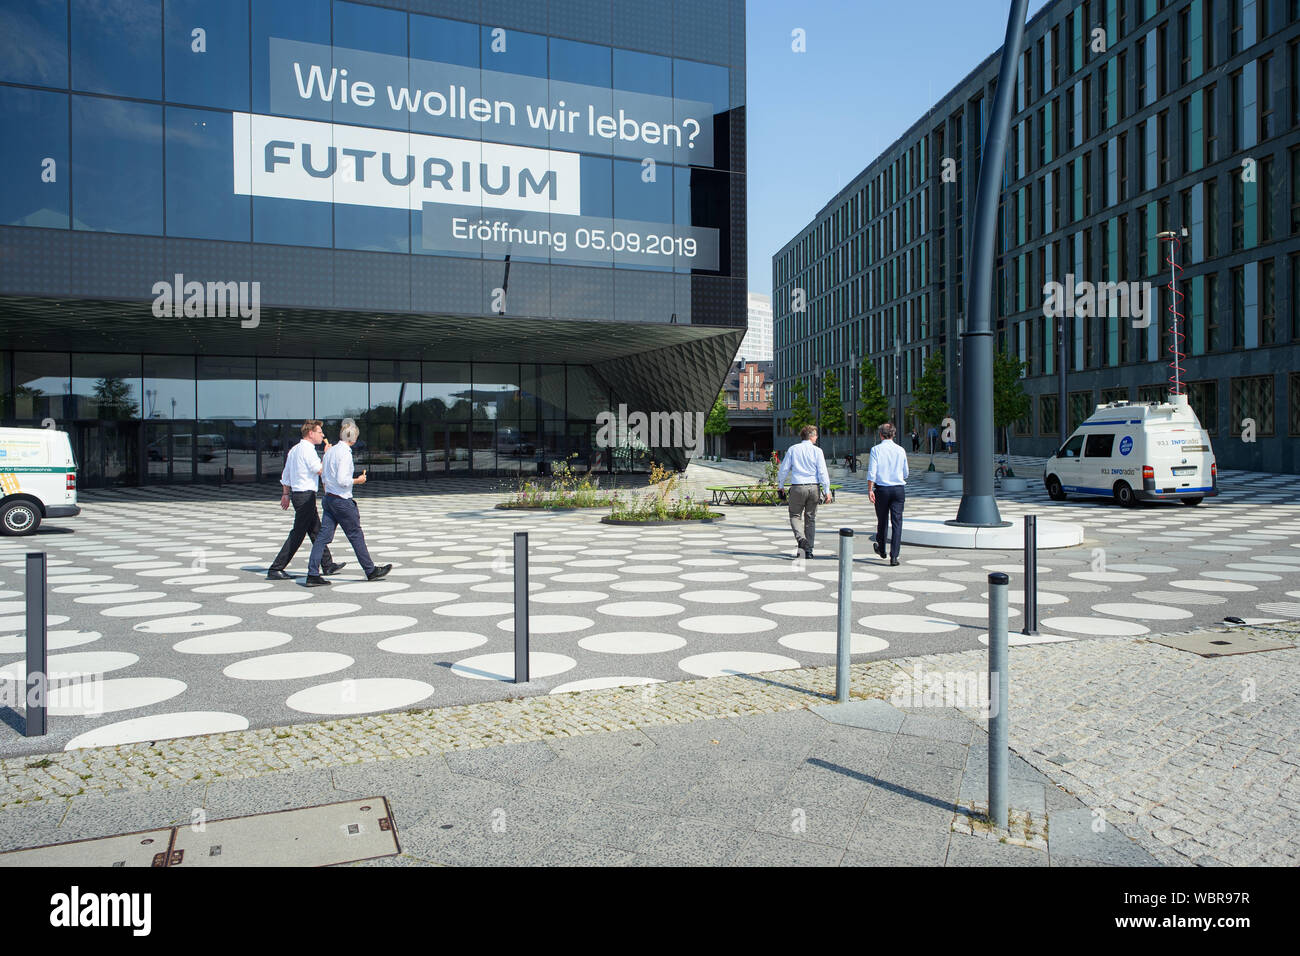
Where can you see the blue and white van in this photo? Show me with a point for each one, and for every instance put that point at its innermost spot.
(1135, 453)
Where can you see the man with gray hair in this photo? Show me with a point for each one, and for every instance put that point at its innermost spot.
(340, 511)
(886, 488)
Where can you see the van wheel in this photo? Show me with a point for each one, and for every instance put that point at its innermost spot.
(20, 517)
(1191, 502)
(1054, 489)
(1124, 495)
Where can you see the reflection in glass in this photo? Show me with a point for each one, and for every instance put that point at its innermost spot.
(168, 386)
(117, 47)
(341, 390)
(513, 51)
(41, 385)
(634, 198)
(496, 392)
(445, 41)
(34, 42)
(643, 73)
(106, 387)
(580, 62)
(199, 155)
(217, 74)
(117, 166)
(226, 387)
(305, 20)
(543, 392)
(446, 392)
(284, 389)
(394, 431)
(28, 199)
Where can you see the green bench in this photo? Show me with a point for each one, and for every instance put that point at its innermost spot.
(750, 494)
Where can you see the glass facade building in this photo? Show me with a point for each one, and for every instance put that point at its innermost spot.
(471, 226)
(1130, 118)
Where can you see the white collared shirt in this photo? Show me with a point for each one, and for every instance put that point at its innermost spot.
(888, 464)
(302, 466)
(337, 470)
(804, 465)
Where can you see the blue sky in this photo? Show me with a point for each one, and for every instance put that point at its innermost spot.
(817, 118)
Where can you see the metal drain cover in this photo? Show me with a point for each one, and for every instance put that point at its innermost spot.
(1217, 644)
(127, 849)
(311, 836)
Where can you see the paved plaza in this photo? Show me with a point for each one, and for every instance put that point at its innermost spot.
(161, 594)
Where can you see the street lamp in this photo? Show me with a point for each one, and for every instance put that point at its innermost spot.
(1062, 360)
(150, 394)
(817, 396)
(898, 377)
(853, 415)
(265, 399)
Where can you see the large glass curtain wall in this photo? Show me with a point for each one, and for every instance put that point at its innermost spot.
(168, 418)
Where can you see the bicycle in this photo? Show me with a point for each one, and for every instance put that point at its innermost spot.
(1002, 470)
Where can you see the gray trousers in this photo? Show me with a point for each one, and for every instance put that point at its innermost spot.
(802, 501)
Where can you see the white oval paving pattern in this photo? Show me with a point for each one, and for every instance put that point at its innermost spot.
(502, 666)
(106, 697)
(1096, 626)
(188, 625)
(288, 666)
(159, 727)
(365, 624)
(314, 610)
(719, 663)
(827, 642)
(362, 696)
(632, 642)
(431, 642)
(726, 624)
(63, 667)
(232, 642)
(908, 624)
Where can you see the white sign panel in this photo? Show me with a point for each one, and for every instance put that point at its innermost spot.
(284, 158)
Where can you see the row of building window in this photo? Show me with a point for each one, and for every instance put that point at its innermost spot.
(1251, 408)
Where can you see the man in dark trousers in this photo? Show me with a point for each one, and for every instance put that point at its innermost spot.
(299, 480)
(341, 510)
(886, 487)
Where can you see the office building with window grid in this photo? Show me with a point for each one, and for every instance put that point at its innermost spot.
(1130, 118)
(471, 226)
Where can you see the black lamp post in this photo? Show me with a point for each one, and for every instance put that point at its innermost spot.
(853, 415)
(979, 508)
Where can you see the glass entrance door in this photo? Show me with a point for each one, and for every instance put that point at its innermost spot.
(108, 453)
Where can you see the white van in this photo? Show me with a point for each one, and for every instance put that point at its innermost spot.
(1136, 453)
(38, 478)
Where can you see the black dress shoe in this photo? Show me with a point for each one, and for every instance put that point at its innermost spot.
(808, 553)
(893, 562)
(379, 572)
(315, 581)
(334, 568)
(278, 576)
(878, 548)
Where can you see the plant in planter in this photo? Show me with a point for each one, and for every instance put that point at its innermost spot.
(659, 505)
(930, 395)
(1010, 403)
(567, 489)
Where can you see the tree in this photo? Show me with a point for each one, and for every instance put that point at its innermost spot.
(1010, 403)
(874, 410)
(113, 395)
(930, 395)
(801, 412)
(718, 424)
(832, 405)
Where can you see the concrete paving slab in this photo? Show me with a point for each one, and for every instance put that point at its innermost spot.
(889, 842)
(966, 850)
(1027, 795)
(508, 763)
(875, 715)
(765, 849)
(1070, 834)
(121, 812)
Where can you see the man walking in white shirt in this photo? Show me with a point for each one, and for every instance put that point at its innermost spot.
(886, 487)
(340, 511)
(300, 479)
(805, 466)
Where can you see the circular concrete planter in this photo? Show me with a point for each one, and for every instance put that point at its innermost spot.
(951, 482)
(1015, 485)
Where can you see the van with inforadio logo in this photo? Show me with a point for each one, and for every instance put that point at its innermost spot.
(1136, 453)
(38, 478)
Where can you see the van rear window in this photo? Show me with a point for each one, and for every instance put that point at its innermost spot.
(1099, 446)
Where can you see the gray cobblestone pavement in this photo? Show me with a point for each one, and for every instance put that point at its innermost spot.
(1129, 753)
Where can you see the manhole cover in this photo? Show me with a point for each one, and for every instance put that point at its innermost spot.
(1215, 644)
(311, 836)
